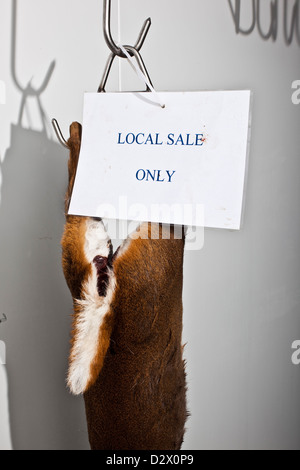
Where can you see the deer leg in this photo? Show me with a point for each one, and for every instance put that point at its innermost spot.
(87, 265)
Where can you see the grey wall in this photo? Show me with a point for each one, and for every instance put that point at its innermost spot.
(242, 294)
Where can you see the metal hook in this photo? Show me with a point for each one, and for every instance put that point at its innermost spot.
(116, 51)
(59, 134)
(108, 36)
(4, 318)
(133, 52)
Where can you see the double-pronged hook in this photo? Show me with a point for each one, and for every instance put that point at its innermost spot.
(116, 51)
(108, 36)
(133, 51)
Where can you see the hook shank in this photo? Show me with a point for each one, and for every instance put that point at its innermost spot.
(59, 134)
(108, 35)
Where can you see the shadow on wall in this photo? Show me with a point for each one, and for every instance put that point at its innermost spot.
(33, 295)
(290, 10)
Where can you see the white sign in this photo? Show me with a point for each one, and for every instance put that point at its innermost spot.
(140, 161)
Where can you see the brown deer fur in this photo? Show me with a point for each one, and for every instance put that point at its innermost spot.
(126, 355)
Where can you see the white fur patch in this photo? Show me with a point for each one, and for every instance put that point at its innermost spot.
(93, 310)
(124, 247)
(97, 241)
